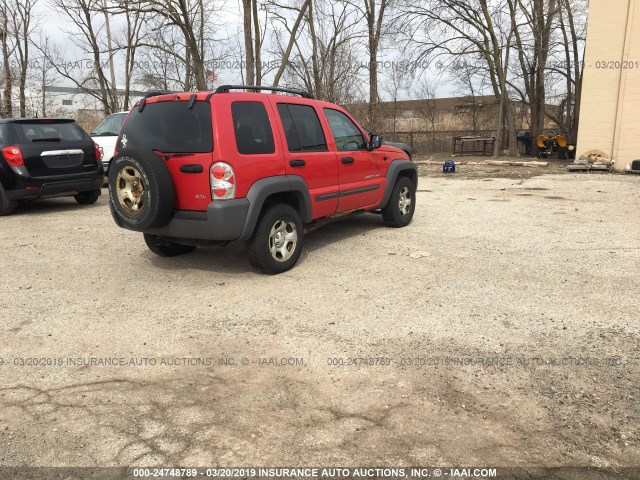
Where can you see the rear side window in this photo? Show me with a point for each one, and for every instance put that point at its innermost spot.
(49, 132)
(252, 128)
(302, 128)
(170, 127)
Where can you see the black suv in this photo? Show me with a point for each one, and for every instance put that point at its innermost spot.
(47, 158)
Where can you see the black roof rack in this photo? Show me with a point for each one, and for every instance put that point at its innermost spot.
(228, 88)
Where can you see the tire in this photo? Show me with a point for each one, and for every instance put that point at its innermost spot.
(140, 189)
(166, 250)
(279, 224)
(397, 213)
(87, 198)
(6, 204)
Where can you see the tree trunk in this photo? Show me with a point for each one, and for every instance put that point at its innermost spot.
(7, 105)
(287, 52)
(114, 87)
(257, 42)
(542, 24)
(248, 42)
(497, 145)
(373, 86)
(318, 89)
(44, 91)
(512, 136)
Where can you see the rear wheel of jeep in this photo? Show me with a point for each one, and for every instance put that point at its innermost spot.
(166, 249)
(276, 244)
(141, 189)
(399, 210)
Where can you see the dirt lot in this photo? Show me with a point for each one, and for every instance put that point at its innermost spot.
(469, 166)
(506, 318)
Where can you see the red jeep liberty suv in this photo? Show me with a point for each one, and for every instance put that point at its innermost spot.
(199, 168)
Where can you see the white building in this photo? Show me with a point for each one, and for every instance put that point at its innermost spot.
(69, 102)
(610, 106)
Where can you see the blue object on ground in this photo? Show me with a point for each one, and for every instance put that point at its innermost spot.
(449, 167)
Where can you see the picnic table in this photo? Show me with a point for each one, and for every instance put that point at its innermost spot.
(473, 145)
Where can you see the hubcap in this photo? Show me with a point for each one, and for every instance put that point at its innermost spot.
(283, 239)
(130, 190)
(405, 201)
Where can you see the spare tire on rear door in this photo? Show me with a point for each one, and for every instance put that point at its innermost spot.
(140, 189)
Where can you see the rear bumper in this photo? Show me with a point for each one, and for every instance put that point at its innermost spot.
(56, 187)
(223, 220)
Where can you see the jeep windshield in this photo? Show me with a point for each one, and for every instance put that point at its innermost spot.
(169, 127)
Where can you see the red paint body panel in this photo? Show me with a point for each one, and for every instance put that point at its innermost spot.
(248, 168)
(192, 190)
(323, 172)
(320, 171)
(366, 172)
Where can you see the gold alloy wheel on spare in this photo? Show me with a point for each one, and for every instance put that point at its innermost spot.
(130, 190)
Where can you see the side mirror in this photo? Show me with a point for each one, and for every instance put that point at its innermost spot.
(375, 142)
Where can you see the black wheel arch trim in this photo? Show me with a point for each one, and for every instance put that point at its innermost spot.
(395, 168)
(264, 188)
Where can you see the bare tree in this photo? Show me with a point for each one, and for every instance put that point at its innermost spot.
(167, 58)
(248, 41)
(21, 25)
(569, 65)
(128, 41)
(532, 23)
(189, 17)
(292, 32)
(324, 61)
(476, 29)
(469, 81)
(44, 78)
(374, 12)
(7, 49)
(400, 80)
(93, 80)
(426, 92)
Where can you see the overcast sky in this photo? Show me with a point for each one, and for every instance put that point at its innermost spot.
(57, 25)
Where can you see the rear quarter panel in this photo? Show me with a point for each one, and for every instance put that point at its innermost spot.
(248, 168)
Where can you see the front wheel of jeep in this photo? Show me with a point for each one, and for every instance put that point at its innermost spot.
(399, 210)
(276, 244)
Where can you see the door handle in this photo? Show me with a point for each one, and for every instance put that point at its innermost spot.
(297, 163)
(191, 168)
(347, 160)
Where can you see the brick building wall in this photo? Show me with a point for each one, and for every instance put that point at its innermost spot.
(610, 107)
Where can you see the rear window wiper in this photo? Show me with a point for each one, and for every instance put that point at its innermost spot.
(52, 139)
(104, 134)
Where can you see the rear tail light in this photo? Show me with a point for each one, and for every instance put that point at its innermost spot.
(98, 149)
(223, 181)
(13, 155)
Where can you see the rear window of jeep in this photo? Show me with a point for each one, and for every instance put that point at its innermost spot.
(170, 127)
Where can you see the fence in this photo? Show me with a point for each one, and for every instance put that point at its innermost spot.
(424, 142)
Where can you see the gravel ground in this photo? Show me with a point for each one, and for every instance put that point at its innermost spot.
(469, 166)
(500, 328)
